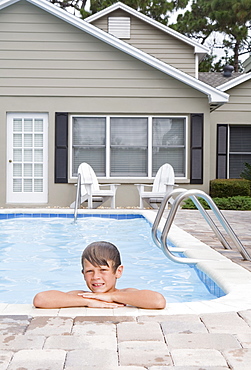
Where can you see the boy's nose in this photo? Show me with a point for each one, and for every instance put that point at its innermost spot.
(96, 275)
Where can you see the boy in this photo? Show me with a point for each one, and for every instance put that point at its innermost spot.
(101, 268)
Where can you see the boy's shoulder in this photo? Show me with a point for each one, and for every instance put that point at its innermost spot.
(127, 289)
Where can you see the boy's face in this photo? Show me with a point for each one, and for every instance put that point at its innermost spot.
(101, 279)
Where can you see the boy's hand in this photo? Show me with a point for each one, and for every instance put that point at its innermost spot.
(102, 298)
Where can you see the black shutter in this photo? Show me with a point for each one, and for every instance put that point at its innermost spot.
(196, 164)
(61, 148)
(221, 160)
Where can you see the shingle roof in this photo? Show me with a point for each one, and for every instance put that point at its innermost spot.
(216, 78)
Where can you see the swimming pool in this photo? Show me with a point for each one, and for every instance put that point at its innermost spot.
(42, 252)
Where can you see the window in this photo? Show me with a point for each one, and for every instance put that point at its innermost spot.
(239, 149)
(169, 144)
(128, 146)
(89, 143)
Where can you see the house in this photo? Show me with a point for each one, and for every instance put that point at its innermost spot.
(119, 91)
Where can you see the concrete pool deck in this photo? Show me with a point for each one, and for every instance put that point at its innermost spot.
(186, 336)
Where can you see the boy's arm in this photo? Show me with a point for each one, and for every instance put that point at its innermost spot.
(133, 297)
(57, 299)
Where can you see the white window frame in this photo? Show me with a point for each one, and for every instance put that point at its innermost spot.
(108, 156)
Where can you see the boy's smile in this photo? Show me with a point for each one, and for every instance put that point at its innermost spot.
(101, 279)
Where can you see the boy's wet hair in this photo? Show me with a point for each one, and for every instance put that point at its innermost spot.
(99, 253)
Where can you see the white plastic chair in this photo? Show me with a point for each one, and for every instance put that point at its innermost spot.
(163, 184)
(90, 188)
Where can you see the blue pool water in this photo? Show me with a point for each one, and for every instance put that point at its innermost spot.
(39, 254)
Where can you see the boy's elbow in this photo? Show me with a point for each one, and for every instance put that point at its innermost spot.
(40, 300)
(160, 302)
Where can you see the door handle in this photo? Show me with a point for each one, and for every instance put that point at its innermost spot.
(10, 160)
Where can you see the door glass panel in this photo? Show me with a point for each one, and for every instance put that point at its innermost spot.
(17, 169)
(38, 170)
(27, 170)
(17, 125)
(28, 185)
(28, 140)
(27, 155)
(38, 125)
(17, 185)
(38, 140)
(28, 123)
(17, 140)
(17, 155)
(38, 155)
(38, 185)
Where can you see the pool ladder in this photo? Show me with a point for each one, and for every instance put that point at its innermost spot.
(193, 194)
(78, 198)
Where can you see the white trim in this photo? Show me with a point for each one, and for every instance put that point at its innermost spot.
(108, 146)
(196, 66)
(198, 48)
(214, 95)
(234, 82)
(150, 145)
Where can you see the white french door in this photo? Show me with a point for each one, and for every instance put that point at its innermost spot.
(27, 158)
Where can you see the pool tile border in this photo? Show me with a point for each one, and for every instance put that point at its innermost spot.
(230, 277)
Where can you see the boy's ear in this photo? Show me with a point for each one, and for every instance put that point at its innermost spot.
(119, 271)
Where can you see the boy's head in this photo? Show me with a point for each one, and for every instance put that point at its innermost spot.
(101, 266)
(99, 253)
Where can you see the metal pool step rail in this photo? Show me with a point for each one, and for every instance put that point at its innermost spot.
(78, 197)
(182, 194)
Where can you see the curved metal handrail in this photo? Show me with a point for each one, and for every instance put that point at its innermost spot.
(77, 201)
(193, 194)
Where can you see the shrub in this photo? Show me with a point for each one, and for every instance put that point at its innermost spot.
(221, 188)
(231, 203)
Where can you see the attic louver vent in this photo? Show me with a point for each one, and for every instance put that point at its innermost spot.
(119, 27)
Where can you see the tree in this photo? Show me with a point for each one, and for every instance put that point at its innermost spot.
(231, 18)
(156, 9)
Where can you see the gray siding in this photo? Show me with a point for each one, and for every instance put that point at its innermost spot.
(155, 42)
(43, 56)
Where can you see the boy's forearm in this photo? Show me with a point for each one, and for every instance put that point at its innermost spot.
(140, 298)
(57, 299)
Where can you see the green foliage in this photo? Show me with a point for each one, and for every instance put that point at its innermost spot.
(155, 9)
(238, 203)
(246, 173)
(208, 64)
(229, 188)
(229, 17)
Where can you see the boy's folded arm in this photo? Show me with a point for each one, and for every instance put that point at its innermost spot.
(140, 298)
(58, 299)
(133, 297)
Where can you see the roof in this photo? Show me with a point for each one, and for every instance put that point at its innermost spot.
(215, 97)
(234, 82)
(216, 79)
(198, 48)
